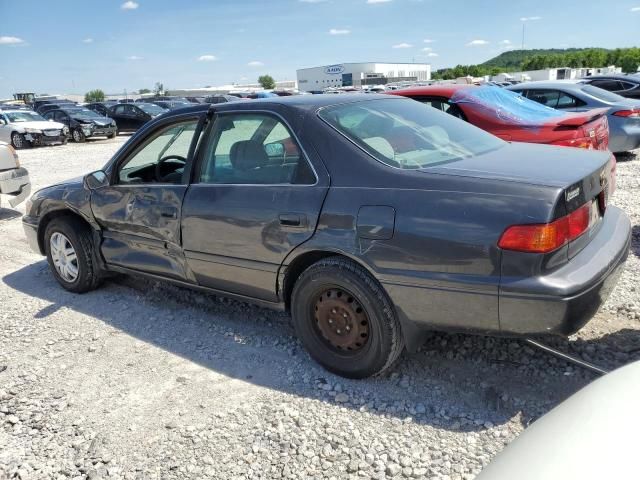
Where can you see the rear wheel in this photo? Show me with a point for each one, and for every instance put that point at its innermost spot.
(70, 254)
(78, 136)
(345, 319)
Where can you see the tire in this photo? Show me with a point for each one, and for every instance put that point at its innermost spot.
(18, 141)
(78, 236)
(343, 284)
(78, 136)
(113, 135)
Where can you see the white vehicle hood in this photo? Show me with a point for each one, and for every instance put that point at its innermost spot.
(44, 125)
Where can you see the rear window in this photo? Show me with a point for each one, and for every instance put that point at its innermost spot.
(505, 105)
(408, 134)
(602, 94)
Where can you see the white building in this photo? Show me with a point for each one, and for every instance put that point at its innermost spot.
(359, 74)
(555, 74)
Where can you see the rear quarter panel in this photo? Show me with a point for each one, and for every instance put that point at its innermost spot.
(441, 267)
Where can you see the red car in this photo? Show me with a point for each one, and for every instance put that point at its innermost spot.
(515, 118)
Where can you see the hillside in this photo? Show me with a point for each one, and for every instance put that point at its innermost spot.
(515, 58)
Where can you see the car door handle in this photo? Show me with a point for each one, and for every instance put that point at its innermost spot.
(292, 220)
(169, 212)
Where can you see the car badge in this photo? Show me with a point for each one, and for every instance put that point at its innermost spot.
(571, 194)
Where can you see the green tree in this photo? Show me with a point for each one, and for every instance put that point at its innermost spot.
(96, 95)
(267, 82)
(158, 88)
(143, 90)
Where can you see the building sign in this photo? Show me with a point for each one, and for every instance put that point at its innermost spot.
(334, 69)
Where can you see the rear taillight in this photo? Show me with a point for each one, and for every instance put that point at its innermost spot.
(582, 142)
(634, 113)
(547, 237)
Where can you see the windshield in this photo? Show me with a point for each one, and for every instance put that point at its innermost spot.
(17, 117)
(150, 108)
(507, 106)
(85, 112)
(602, 94)
(408, 134)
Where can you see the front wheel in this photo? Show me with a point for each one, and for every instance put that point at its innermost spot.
(78, 136)
(18, 141)
(70, 254)
(345, 320)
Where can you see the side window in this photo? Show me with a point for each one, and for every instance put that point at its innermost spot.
(253, 149)
(443, 105)
(627, 85)
(162, 158)
(611, 85)
(568, 101)
(59, 116)
(545, 97)
(119, 110)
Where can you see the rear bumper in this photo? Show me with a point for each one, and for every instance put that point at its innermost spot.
(15, 185)
(625, 138)
(565, 300)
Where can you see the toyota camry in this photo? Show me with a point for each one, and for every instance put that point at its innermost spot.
(371, 219)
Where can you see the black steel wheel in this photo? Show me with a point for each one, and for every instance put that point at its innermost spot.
(345, 319)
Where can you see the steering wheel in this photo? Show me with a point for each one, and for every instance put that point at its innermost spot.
(158, 173)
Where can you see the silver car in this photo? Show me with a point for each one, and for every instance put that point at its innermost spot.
(623, 115)
(24, 128)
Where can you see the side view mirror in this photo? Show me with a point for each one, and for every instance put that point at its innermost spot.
(95, 180)
(274, 149)
(51, 120)
(3, 121)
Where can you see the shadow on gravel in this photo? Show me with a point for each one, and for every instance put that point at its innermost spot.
(8, 214)
(455, 382)
(635, 240)
(625, 156)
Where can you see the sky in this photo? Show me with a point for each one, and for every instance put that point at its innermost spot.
(72, 46)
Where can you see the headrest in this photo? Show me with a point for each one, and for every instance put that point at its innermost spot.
(247, 155)
(374, 125)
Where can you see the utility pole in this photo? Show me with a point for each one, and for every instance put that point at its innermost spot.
(523, 24)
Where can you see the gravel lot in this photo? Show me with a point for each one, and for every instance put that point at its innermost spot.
(144, 380)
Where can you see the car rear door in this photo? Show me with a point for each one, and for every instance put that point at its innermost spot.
(139, 211)
(254, 198)
(138, 117)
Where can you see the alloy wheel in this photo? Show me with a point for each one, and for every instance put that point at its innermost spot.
(65, 259)
(77, 136)
(18, 141)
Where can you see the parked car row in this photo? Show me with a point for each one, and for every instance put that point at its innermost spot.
(566, 113)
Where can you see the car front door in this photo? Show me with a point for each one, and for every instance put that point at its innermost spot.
(255, 197)
(139, 211)
(61, 117)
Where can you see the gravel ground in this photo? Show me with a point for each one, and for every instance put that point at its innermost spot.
(144, 380)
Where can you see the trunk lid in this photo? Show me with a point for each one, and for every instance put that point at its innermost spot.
(535, 164)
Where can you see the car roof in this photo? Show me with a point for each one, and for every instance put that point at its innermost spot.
(303, 103)
(613, 76)
(445, 90)
(567, 84)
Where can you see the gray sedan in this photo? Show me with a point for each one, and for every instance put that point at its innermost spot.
(372, 219)
(624, 113)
